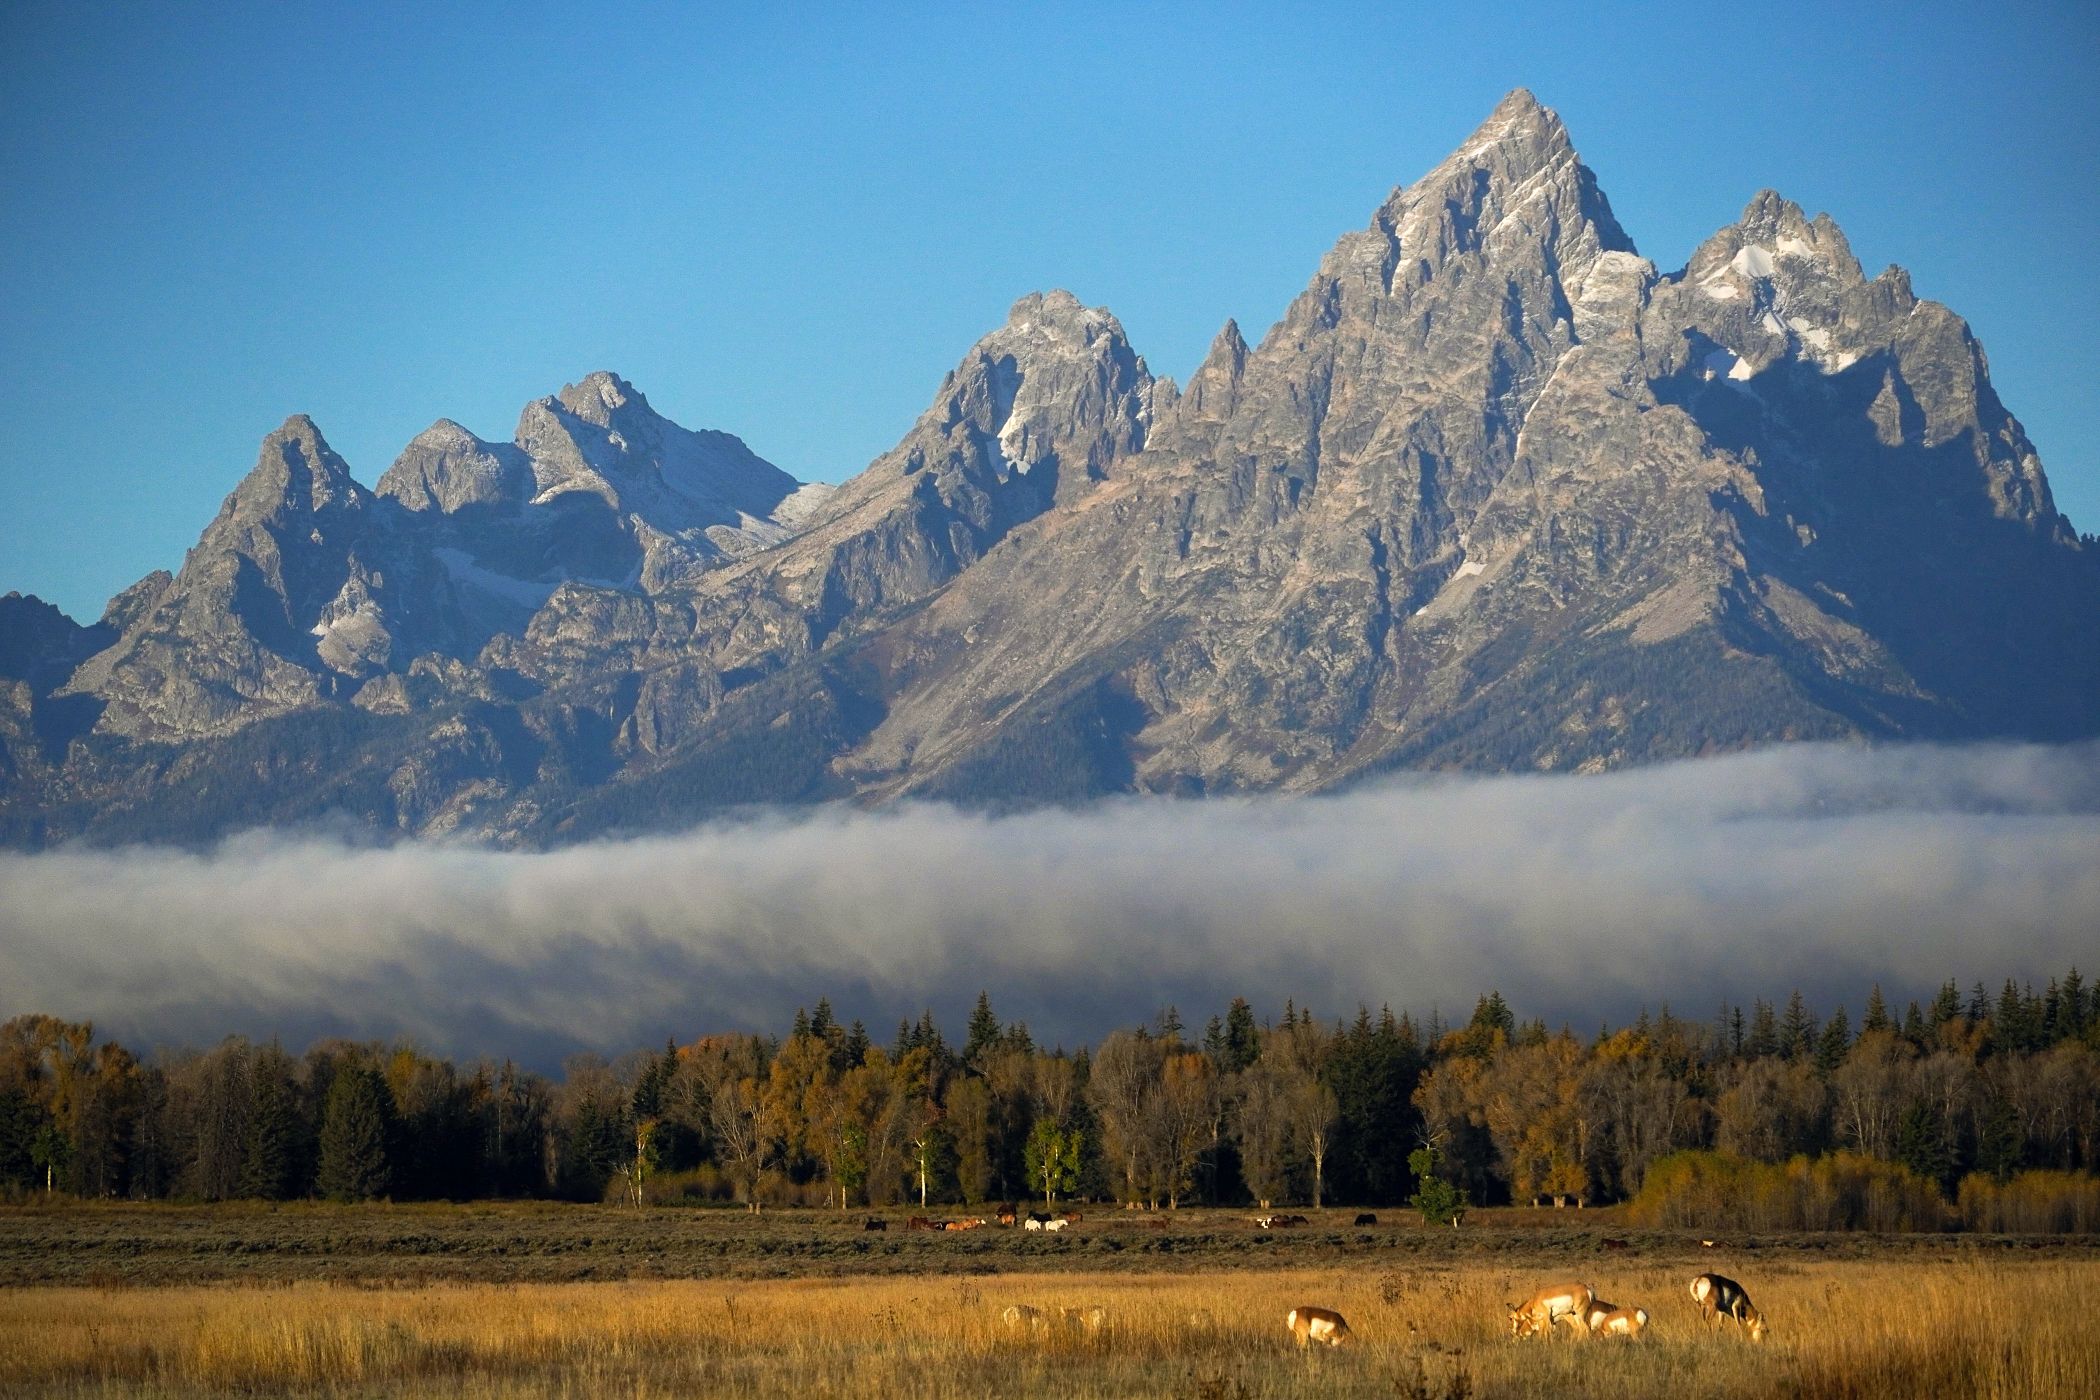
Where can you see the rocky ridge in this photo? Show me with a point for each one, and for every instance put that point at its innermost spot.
(1494, 493)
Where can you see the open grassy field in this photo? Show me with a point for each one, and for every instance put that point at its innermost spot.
(458, 1314)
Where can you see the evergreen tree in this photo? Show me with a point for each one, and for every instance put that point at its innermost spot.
(1797, 1033)
(1914, 1025)
(1947, 1005)
(356, 1125)
(1999, 1145)
(1834, 1043)
(2072, 1014)
(984, 1032)
(857, 1046)
(1493, 1013)
(1764, 1031)
(1440, 1202)
(1921, 1144)
(1242, 1037)
(1877, 1017)
(821, 1021)
(270, 1163)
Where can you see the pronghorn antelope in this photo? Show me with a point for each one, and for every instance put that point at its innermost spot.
(1322, 1325)
(1719, 1297)
(1592, 1317)
(1091, 1321)
(1020, 1317)
(1622, 1322)
(1559, 1303)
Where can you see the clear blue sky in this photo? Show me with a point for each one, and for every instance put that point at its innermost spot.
(788, 222)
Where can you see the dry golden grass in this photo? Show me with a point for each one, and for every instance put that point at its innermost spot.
(1841, 1328)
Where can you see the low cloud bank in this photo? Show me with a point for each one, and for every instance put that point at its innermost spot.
(1581, 899)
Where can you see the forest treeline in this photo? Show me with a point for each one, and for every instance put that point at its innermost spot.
(1956, 1102)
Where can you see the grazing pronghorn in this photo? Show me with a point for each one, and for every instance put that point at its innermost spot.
(1091, 1321)
(1621, 1322)
(1021, 1317)
(1719, 1297)
(1322, 1325)
(1562, 1302)
(1592, 1317)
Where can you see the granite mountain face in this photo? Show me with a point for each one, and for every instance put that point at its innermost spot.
(1494, 494)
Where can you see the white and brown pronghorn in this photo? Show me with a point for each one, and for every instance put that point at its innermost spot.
(1561, 1302)
(1022, 1318)
(1621, 1322)
(1592, 1317)
(1322, 1325)
(1091, 1321)
(1720, 1297)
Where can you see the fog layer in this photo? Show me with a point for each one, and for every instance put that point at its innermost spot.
(1581, 899)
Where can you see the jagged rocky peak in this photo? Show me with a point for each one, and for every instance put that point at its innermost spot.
(296, 472)
(447, 469)
(1057, 387)
(601, 436)
(39, 643)
(135, 602)
(600, 396)
(1516, 178)
(1774, 242)
(1191, 420)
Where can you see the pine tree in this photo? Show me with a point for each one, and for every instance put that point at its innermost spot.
(821, 1021)
(1877, 1017)
(1921, 1144)
(2073, 1007)
(1797, 1033)
(1947, 1005)
(857, 1046)
(1764, 1031)
(1242, 1036)
(268, 1164)
(984, 1032)
(1914, 1026)
(1999, 1143)
(356, 1124)
(1834, 1043)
